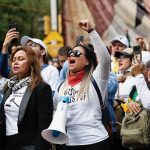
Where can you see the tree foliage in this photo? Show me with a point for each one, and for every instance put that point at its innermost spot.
(26, 14)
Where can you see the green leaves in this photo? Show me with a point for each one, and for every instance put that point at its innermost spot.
(25, 13)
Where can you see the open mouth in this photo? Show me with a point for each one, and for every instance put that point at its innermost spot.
(120, 64)
(72, 61)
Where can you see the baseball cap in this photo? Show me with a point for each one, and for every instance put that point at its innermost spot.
(121, 39)
(25, 39)
(126, 52)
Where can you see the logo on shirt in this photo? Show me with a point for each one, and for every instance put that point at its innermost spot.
(73, 94)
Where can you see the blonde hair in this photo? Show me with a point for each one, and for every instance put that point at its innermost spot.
(91, 57)
(84, 83)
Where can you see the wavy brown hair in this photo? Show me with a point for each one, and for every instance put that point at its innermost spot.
(35, 69)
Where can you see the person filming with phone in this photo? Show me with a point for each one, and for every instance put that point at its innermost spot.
(10, 36)
(49, 73)
(141, 72)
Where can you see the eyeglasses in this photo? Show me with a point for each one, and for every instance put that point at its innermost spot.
(75, 53)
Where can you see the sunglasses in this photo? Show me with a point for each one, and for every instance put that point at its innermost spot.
(122, 57)
(75, 53)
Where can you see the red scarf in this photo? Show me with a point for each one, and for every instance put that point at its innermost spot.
(75, 78)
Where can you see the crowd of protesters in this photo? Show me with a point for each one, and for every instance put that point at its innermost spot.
(29, 90)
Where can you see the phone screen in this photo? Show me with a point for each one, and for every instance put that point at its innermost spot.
(79, 39)
(137, 54)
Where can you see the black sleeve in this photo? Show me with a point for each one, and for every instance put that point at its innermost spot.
(45, 113)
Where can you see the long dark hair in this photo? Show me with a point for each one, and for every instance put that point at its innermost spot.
(90, 54)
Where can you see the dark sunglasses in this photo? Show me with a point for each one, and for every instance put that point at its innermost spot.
(75, 53)
(123, 57)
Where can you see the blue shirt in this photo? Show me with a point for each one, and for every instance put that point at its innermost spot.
(64, 70)
(112, 88)
(4, 66)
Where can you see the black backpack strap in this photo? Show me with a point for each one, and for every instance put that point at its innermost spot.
(61, 82)
(105, 118)
(96, 88)
(98, 92)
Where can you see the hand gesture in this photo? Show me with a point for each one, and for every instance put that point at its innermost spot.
(134, 107)
(140, 41)
(11, 34)
(86, 25)
(121, 78)
(137, 68)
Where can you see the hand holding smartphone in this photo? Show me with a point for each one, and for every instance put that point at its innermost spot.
(12, 26)
(79, 39)
(137, 53)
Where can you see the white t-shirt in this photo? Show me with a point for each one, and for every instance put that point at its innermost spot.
(125, 88)
(50, 75)
(11, 108)
(83, 122)
(143, 91)
(2, 83)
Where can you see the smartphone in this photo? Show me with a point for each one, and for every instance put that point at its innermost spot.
(79, 39)
(137, 53)
(11, 26)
